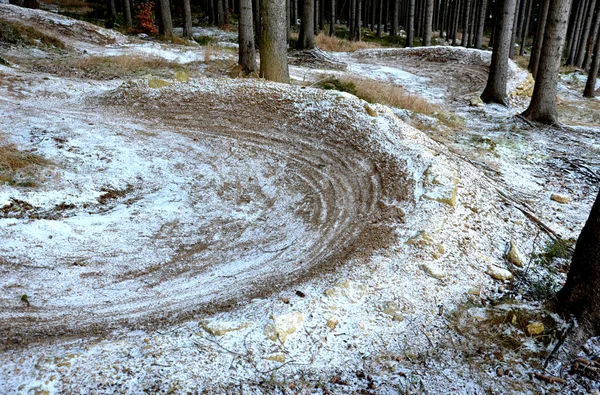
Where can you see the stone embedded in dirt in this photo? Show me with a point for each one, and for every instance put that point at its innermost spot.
(332, 322)
(441, 185)
(220, 328)
(370, 110)
(425, 241)
(283, 326)
(535, 329)
(433, 270)
(157, 83)
(278, 357)
(499, 274)
(564, 199)
(476, 102)
(392, 309)
(514, 255)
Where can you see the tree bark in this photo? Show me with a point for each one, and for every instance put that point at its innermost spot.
(273, 41)
(481, 24)
(465, 23)
(127, 13)
(112, 9)
(525, 29)
(590, 86)
(410, 30)
(495, 90)
(306, 38)
(580, 295)
(576, 33)
(165, 18)
(247, 55)
(220, 13)
(428, 22)
(585, 35)
(536, 52)
(395, 17)
(379, 17)
(332, 19)
(187, 18)
(542, 107)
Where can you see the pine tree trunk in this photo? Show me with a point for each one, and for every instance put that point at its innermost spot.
(513, 36)
(525, 30)
(379, 18)
(247, 56)
(585, 34)
(112, 10)
(410, 30)
(358, 29)
(127, 13)
(580, 295)
(187, 19)
(273, 41)
(536, 52)
(481, 24)
(578, 26)
(428, 22)
(256, 21)
(165, 18)
(395, 16)
(316, 16)
(220, 13)
(495, 90)
(465, 23)
(306, 38)
(592, 39)
(332, 19)
(590, 86)
(543, 102)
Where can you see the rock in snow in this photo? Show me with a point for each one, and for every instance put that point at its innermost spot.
(499, 274)
(514, 255)
(283, 326)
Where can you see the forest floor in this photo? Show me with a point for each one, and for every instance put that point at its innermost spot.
(168, 228)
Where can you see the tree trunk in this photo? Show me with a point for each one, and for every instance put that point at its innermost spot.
(495, 90)
(465, 23)
(580, 295)
(165, 18)
(428, 22)
(332, 19)
(306, 38)
(256, 21)
(220, 13)
(481, 24)
(525, 29)
(127, 13)
(112, 10)
(395, 17)
(273, 41)
(379, 17)
(358, 20)
(590, 86)
(543, 102)
(187, 19)
(539, 40)
(576, 33)
(585, 35)
(247, 56)
(316, 17)
(513, 36)
(410, 30)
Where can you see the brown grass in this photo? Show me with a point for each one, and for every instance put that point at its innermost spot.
(19, 168)
(208, 53)
(20, 34)
(336, 44)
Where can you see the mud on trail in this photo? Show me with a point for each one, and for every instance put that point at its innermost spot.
(232, 191)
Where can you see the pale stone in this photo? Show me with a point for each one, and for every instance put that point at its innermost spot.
(332, 322)
(499, 274)
(476, 102)
(283, 326)
(370, 110)
(276, 357)
(425, 241)
(220, 328)
(535, 328)
(564, 199)
(514, 255)
(433, 271)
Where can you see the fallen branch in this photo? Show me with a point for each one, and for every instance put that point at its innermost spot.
(550, 379)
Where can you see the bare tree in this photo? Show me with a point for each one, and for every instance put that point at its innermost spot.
(542, 107)
(247, 56)
(410, 30)
(495, 90)
(590, 86)
(536, 52)
(273, 41)
(187, 19)
(306, 38)
(165, 18)
(428, 22)
(580, 295)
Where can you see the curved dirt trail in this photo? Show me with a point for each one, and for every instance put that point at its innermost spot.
(213, 198)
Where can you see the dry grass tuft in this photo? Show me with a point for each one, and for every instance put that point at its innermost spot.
(208, 52)
(124, 63)
(336, 44)
(19, 168)
(20, 34)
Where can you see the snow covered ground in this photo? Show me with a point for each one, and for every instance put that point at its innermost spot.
(239, 236)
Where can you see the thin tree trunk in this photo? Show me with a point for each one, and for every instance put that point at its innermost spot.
(332, 19)
(306, 38)
(513, 36)
(247, 56)
(273, 43)
(576, 33)
(580, 295)
(395, 16)
(428, 22)
(585, 34)
(481, 24)
(495, 90)
(379, 17)
(165, 18)
(256, 21)
(592, 38)
(220, 13)
(187, 18)
(542, 107)
(127, 13)
(465, 23)
(410, 30)
(590, 86)
(539, 42)
(525, 30)
(112, 9)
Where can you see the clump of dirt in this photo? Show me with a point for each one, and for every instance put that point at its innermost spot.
(110, 194)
